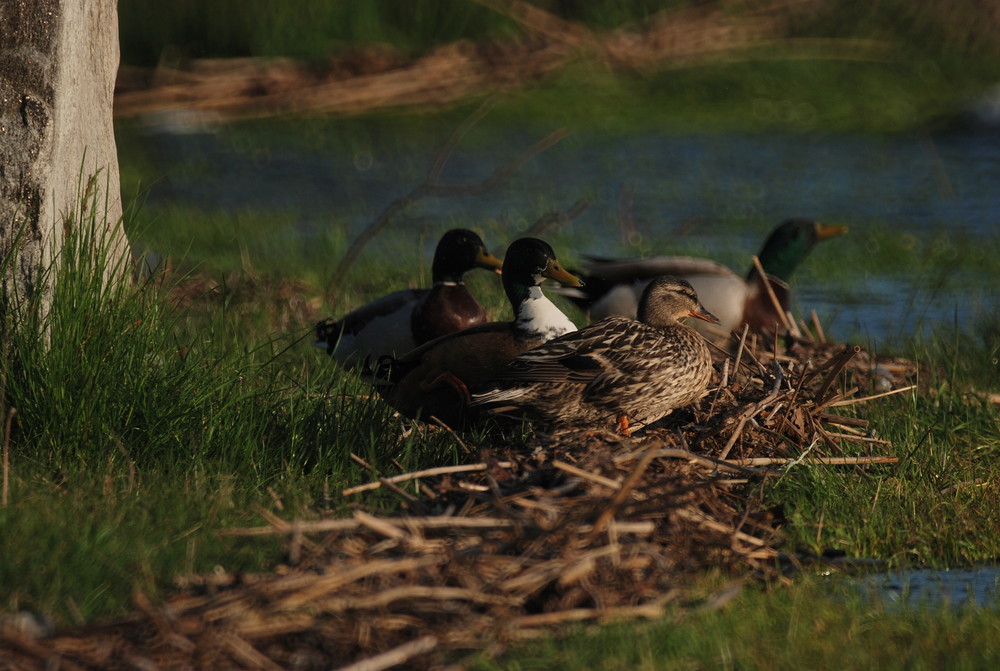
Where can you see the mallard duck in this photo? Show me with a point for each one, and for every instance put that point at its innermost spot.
(433, 379)
(613, 287)
(617, 370)
(396, 323)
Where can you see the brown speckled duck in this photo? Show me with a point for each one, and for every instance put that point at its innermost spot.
(616, 371)
(396, 323)
(433, 380)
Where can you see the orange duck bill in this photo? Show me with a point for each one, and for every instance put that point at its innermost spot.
(701, 313)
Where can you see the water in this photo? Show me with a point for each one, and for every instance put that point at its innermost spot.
(717, 194)
(914, 588)
(930, 588)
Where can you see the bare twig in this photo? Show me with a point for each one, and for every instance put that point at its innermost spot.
(744, 417)
(730, 465)
(396, 656)
(836, 365)
(552, 222)
(320, 526)
(741, 348)
(817, 327)
(431, 187)
(852, 401)
(626, 489)
(427, 473)
(788, 324)
(824, 461)
(593, 477)
(650, 610)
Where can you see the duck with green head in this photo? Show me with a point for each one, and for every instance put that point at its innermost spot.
(433, 380)
(396, 323)
(613, 287)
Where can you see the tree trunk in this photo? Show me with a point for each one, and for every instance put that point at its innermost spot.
(58, 62)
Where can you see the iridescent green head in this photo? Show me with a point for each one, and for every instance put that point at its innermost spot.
(790, 243)
(527, 262)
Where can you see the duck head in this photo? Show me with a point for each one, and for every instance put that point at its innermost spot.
(459, 251)
(527, 263)
(668, 300)
(790, 243)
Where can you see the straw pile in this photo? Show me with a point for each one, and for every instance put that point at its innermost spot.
(578, 526)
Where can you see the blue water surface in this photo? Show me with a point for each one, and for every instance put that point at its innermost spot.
(717, 194)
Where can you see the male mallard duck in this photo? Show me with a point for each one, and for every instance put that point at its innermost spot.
(616, 370)
(614, 287)
(433, 379)
(396, 323)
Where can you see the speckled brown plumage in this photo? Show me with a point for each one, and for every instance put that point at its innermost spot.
(617, 368)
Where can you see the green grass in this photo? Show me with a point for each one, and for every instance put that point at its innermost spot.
(817, 623)
(938, 506)
(143, 428)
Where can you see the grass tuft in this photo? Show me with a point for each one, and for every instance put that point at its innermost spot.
(142, 427)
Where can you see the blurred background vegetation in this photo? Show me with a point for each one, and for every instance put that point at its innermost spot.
(878, 66)
(315, 30)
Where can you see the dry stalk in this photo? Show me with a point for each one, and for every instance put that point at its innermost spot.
(852, 401)
(835, 366)
(426, 473)
(582, 526)
(396, 656)
(626, 489)
(817, 461)
(744, 418)
(651, 610)
(593, 477)
(788, 324)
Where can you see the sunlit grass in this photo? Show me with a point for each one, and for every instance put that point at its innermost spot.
(142, 427)
(936, 507)
(814, 624)
(145, 427)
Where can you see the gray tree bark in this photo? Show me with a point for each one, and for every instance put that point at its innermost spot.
(58, 62)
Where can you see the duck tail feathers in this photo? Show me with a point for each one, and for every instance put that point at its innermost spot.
(494, 397)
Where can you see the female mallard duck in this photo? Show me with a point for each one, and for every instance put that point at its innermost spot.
(396, 323)
(614, 287)
(433, 379)
(617, 370)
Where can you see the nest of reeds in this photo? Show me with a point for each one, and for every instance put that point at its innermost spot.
(577, 526)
